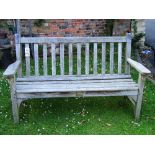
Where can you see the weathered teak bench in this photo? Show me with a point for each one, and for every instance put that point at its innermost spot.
(71, 84)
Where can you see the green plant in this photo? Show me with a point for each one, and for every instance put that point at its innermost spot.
(39, 22)
(135, 41)
(109, 26)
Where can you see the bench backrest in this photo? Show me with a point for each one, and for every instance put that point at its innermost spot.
(90, 55)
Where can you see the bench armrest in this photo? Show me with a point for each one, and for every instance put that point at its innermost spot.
(139, 67)
(12, 69)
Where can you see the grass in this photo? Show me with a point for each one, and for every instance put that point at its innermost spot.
(94, 115)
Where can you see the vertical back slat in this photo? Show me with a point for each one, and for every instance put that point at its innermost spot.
(87, 58)
(36, 59)
(119, 58)
(18, 53)
(103, 58)
(53, 59)
(27, 58)
(70, 59)
(128, 52)
(111, 58)
(78, 59)
(45, 59)
(95, 58)
(62, 58)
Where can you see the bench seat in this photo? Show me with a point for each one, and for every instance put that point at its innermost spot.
(110, 85)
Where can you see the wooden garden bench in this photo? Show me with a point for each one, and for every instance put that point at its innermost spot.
(82, 82)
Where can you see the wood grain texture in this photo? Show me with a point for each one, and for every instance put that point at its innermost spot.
(27, 59)
(54, 59)
(70, 59)
(103, 58)
(45, 60)
(78, 59)
(95, 59)
(62, 58)
(119, 58)
(36, 60)
(111, 58)
(87, 58)
(12, 69)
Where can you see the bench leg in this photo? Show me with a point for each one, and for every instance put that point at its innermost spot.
(15, 110)
(141, 81)
(14, 100)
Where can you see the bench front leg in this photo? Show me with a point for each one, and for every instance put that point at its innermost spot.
(15, 107)
(138, 105)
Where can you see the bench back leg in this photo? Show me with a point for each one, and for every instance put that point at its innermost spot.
(141, 81)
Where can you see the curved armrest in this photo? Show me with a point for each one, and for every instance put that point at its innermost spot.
(139, 67)
(12, 69)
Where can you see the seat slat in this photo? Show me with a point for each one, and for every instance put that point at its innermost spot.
(74, 77)
(77, 81)
(45, 59)
(27, 59)
(53, 59)
(111, 58)
(36, 60)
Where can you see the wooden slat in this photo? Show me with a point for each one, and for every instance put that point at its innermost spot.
(53, 59)
(87, 58)
(111, 58)
(95, 58)
(45, 59)
(119, 58)
(71, 39)
(36, 60)
(128, 53)
(77, 81)
(74, 94)
(70, 59)
(74, 77)
(18, 53)
(62, 59)
(78, 59)
(27, 58)
(103, 58)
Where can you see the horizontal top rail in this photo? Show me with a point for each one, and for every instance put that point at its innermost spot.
(72, 39)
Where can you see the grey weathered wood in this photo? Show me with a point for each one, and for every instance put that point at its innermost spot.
(139, 67)
(119, 58)
(74, 77)
(111, 58)
(71, 39)
(27, 58)
(54, 60)
(78, 59)
(74, 94)
(12, 69)
(76, 81)
(95, 58)
(14, 100)
(70, 59)
(62, 58)
(141, 81)
(128, 52)
(87, 85)
(45, 59)
(103, 58)
(36, 60)
(87, 58)
(18, 53)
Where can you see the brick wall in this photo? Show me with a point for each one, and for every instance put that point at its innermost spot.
(67, 27)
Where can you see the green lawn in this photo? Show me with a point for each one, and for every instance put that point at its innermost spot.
(96, 115)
